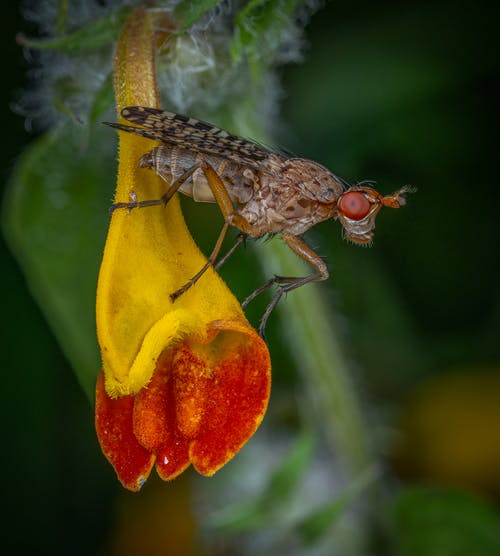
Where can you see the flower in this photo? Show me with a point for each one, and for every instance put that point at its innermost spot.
(185, 382)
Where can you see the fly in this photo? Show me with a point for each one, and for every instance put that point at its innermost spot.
(258, 191)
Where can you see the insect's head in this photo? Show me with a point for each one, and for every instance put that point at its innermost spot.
(358, 207)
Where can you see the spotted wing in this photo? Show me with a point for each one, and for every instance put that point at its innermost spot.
(192, 135)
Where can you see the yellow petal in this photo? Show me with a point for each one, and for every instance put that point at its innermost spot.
(149, 252)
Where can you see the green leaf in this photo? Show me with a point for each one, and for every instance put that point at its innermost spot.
(253, 514)
(91, 36)
(259, 28)
(285, 479)
(314, 526)
(189, 12)
(103, 100)
(239, 518)
(62, 17)
(441, 522)
(55, 219)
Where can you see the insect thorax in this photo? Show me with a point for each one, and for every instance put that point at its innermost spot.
(294, 197)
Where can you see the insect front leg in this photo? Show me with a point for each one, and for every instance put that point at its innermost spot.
(164, 199)
(230, 219)
(288, 283)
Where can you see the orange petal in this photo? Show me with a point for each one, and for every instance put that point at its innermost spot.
(113, 423)
(236, 400)
(192, 387)
(155, 423)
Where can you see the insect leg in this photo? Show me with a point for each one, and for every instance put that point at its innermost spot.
(211, 260)
(204, 268)
(287, 283)
(239, 240)
(164, 199)
(230, 219)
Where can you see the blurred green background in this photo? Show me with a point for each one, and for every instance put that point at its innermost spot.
(398, 93)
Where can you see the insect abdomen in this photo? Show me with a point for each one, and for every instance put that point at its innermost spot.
(170, 163)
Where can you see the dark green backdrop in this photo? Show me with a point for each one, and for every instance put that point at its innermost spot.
(400, 93)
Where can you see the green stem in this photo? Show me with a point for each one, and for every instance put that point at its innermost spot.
(315, 343)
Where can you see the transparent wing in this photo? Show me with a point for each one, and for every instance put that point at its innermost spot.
(192, 135)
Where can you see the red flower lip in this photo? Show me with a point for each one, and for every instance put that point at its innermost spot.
(203, 403)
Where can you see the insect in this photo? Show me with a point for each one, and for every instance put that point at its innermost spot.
(258, 191)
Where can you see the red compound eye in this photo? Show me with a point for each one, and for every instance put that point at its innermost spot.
(354, 205)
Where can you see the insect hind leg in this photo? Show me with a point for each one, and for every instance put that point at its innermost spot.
(287, 283)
